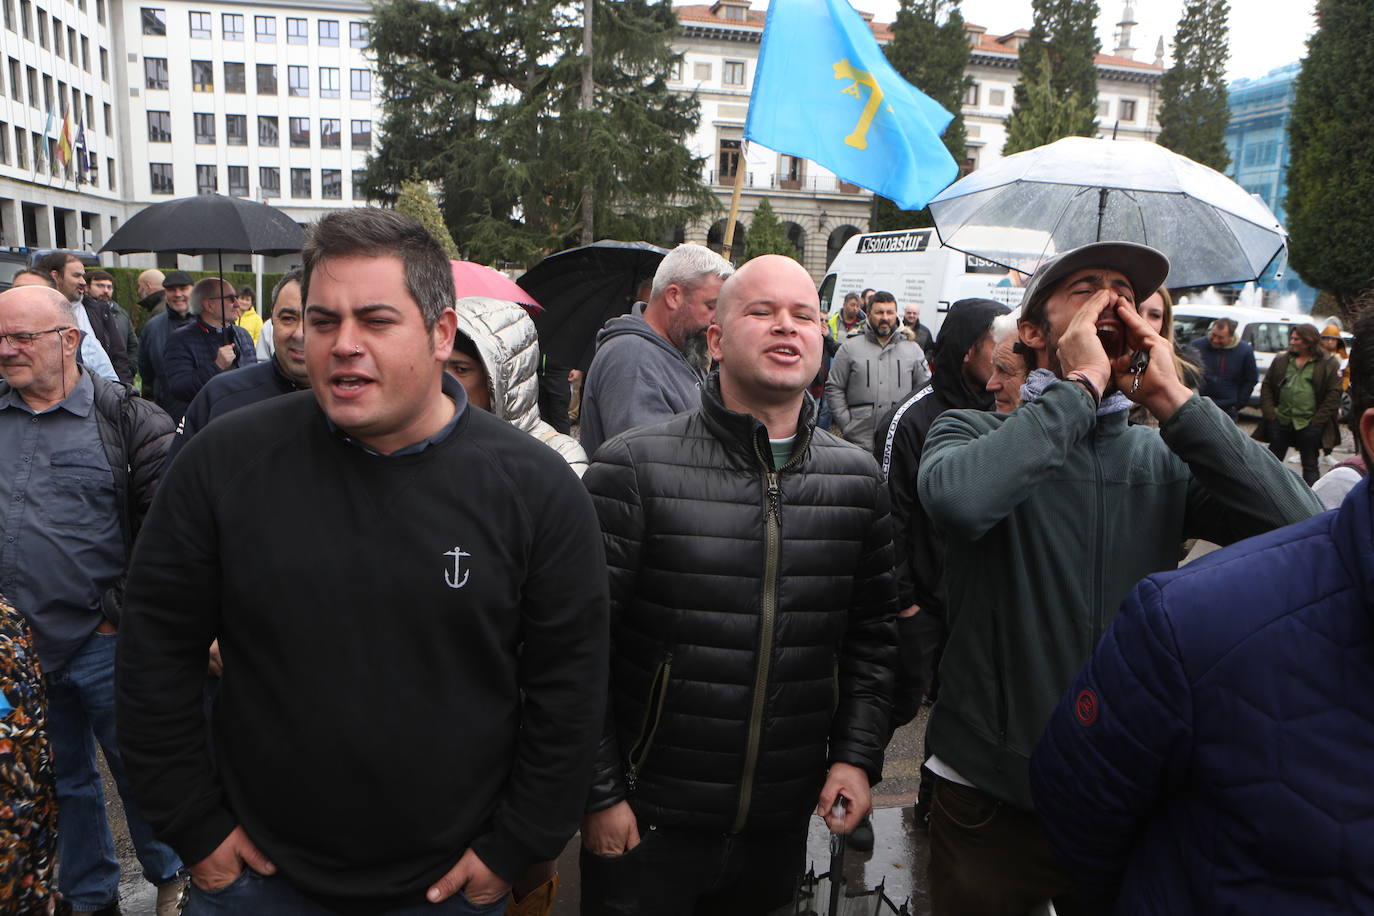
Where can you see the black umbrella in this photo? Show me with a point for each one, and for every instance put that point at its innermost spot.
(208, 223)
(581, 289)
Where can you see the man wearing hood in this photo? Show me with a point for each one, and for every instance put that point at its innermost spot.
(651, 363)
(872, 372)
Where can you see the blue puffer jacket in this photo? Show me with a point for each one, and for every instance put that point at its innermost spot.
(1214, 755)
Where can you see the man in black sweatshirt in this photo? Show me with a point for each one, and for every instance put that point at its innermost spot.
(414, 664)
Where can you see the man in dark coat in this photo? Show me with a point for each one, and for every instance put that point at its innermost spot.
(1229, 366)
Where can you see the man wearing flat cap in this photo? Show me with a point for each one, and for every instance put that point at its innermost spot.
(1050, 514)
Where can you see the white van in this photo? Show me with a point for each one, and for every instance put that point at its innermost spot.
(1266, 330)
(913, 266)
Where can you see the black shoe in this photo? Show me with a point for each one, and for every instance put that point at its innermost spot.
(862, 837)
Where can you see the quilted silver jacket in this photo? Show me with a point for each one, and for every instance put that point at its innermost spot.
(505, 336)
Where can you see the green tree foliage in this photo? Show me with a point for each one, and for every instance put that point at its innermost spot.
(416, 202)
(481, 99)
(1057, 94)
(1193, 113)
(767, 236)
(930, 50)
(1331, 170)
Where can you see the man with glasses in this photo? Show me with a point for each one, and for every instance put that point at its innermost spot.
(79, 460)
(204, 348)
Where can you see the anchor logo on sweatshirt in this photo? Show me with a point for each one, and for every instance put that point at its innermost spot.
(453, 579)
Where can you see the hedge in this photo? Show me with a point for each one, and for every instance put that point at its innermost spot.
(126, 286)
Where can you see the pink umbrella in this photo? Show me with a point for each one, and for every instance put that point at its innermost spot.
(471, 279)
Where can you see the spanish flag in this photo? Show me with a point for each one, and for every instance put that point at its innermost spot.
(64, 141)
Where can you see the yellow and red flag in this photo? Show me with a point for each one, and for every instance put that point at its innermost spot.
(64, 141)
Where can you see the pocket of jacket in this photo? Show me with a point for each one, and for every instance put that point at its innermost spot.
(965, 806)
(653, 715)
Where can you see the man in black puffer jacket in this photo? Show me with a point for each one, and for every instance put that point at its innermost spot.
(752, 608)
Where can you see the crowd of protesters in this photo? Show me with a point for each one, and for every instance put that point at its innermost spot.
(447, 654)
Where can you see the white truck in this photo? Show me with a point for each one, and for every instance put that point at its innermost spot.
(913, 266)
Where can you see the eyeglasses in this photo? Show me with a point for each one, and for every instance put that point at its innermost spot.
(21, 339)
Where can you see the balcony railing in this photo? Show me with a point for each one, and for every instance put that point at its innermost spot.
(817, 184)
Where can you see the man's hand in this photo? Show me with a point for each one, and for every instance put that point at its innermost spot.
(851, 782)
(223, 866)
(611, 831)
(909, 611)
(216, 665)
(1080, 349)
(478, 883)
(1160, 389)
(224, 357)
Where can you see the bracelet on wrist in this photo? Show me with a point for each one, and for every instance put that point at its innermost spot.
(1082, 379)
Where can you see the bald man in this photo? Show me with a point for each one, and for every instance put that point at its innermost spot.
(150, 292)
(753, 610)
(79, 460)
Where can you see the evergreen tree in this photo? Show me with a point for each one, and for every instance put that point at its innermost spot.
(1193, 113)
(1058, 71)
(416, 202)
(929, 49)
(481, 98)
(767, 236)
(1331, 170)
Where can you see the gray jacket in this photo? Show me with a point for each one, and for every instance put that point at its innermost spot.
(637, 377)
(506, 338)
(867, 378)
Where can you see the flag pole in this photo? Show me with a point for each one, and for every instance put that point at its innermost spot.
(734, 197)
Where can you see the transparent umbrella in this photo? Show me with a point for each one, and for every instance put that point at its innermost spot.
(1029, 206)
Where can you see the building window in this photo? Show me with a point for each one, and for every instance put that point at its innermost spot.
(971, 95)
(330, 133)
(265, 29)
(159, 127)
(329, 82)
(790, 172)
(100, 11)
(24, 22)
(202, 76)
(328, 31)
(331, 184)
(109, 173)
(1128, 109)
(234, 79)
(362, 135)
(702, 73)
(231, 24)
(295, 32)
(675, 71)
(300, 132)
(104, 65)
(360, 84)
(300, 182)
(298, 81)
(358, 185)
(155, 72)
(359, 34)
(200, 24)
(205, 128)
(267, 131)
(109, 120)
(16, 88)
(997, 98)
(90, 112)
(21, 148)
(238, 181)
(4, 143)
(236, 129)
(267, 79)
(9, 15)
(71, 40)
(57, 39)
(85, 54)
(43, 30)
(733, 73)
(729, 158)
(269, 181)
(160, 175)
(155, 23)
(207, 179)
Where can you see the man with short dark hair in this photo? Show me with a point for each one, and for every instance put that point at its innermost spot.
(1049, 515)
(79, 461)
(871, 372)
(848, 320)
(1228, 364)
(206, 347)
(466, 583)
(752, 599)
(69, 278)
(155, 333)
(32, 276)
(100, 287)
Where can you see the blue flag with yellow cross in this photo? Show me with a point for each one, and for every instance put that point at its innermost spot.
(824, 91)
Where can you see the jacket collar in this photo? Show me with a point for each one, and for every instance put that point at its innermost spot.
(1352, 530)
(742, 432)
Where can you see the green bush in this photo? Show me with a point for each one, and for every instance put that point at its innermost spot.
(126, 286)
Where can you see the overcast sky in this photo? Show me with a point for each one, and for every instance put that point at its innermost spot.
(1264, 34)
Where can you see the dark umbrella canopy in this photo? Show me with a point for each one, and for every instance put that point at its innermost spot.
(208, 223)
(583, 288)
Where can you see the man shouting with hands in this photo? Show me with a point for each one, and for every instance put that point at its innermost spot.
(1070, 506)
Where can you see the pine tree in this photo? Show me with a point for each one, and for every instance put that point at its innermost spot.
(1193, 111)
(767, 236)
(416, 202)
(1331, 170)
(481, 98)
(929, 49)
(1058, 71)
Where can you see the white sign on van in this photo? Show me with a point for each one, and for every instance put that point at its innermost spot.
(895, 242)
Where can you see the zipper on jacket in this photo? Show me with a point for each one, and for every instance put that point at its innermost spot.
(1099, 530)
(653, 715)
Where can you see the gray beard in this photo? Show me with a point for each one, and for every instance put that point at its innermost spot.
(694, 350)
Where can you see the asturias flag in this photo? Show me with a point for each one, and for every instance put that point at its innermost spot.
(824, 91)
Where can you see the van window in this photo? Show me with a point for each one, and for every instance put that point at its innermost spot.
(1270, 337)
(827, 290)
(1188, 328)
